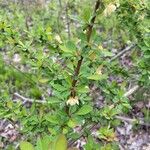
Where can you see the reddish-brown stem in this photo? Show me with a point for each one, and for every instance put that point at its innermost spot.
(79, 64)
(90, 26)
(76, 73)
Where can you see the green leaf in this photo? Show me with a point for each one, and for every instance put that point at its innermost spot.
(53, 100)
(107, 53)
(61, 143)
(83, 89)
(26, 146)
(72, 123)
(59, 87)
(52, 118)
(97, 77)
(64, 48)
(39, 144)
(84, 110)
(43, 143)
(43, 80)
(69, 47)
(52, 131)
(107, 133)
(20, 43)
(86, 14)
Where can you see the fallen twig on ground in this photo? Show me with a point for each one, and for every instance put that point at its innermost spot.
(28, 99)
(131, 91)
(130, 120)
(128, 48)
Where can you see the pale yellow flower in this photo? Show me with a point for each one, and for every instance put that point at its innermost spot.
(109, 9)
(73, 101)
(99, 70)
(100, 47)
(58, 39)
(111, 106)
(141, 17)
(117, 3)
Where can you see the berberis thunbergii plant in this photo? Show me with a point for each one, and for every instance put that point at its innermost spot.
(77, 59)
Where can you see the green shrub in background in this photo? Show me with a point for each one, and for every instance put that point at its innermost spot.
(70, 56)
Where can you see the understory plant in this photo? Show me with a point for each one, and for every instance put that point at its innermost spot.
(65, 67)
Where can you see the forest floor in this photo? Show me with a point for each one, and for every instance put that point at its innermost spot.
(129, 136)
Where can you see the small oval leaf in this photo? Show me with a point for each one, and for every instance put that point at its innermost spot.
(26, 146)
(61, 143)
(84, 110)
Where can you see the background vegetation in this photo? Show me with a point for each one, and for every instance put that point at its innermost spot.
(74, 74)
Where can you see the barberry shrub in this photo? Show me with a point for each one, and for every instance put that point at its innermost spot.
(73, 68)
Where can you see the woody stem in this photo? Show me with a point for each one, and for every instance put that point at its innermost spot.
(79, 64)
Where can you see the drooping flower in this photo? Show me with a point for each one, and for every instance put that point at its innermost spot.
(100, 47)
(109, 9)
(58, 39)
(72, 101)
(117, 3)
(99, 70)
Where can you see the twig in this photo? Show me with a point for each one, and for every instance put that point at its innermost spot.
(128, 48)
(68, 22)
(29, 100)
(59, 16)
(128, 93)
(138, 121)
(131, 91)
(130, 120)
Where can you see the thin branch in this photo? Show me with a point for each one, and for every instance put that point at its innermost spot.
(128, 48)
(76, 73)
(68, 22)
(139, 120)
(59, 16)
(131, 91)
(28, 99)
(91, 25)
(128, 93)
(130, 120)
(122, 118)
(79, 64)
